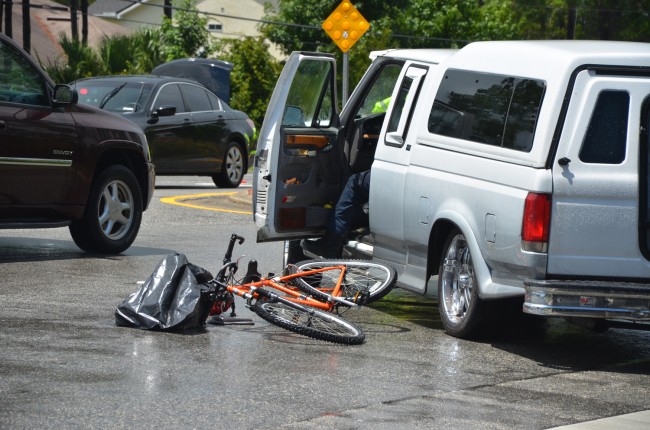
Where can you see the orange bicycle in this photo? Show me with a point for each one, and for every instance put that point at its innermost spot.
(306, 298)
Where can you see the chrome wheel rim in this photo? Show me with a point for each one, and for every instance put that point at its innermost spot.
(115, 211)
(234, 164)
(458, 280)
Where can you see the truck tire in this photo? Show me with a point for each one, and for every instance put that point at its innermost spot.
(461, 309)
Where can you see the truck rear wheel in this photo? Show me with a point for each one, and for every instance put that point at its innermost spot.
(461, 309)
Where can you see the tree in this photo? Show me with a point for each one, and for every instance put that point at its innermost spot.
(253, 75)
(82, 61)
(304, 19)
(136, 53)
(186, 35)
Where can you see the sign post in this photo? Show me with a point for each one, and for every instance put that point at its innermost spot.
(345, 26)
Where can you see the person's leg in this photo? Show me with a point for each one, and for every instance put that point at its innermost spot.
(350, 204)
(348, 209)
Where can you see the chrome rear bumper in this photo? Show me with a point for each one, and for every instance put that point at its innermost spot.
(589, 299)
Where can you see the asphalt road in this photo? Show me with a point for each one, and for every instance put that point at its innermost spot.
(65, 365)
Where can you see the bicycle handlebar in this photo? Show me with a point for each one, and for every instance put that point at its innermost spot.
(231, 245)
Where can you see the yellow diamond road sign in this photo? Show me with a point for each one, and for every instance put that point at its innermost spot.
(345, 25)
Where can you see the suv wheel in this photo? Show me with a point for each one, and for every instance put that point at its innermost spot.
(113, 214)
(232, 168)
(461, 310)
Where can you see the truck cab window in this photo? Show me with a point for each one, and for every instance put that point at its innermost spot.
(363, 134)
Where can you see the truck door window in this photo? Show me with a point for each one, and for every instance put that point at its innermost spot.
(606, 136)
(362, 136)
(403, 106)
(378, 97)
(309, 102)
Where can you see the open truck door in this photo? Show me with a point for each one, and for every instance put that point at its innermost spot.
(299, 167)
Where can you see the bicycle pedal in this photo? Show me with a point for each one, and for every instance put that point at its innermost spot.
(361, 298)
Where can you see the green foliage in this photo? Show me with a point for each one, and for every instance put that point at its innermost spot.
(136, 53)
(115, 53)
(453, 23)
(312, 13)
(187, 36)
(146, 50)
(82, 62)
(253, 76)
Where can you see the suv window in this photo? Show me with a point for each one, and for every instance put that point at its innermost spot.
(606, 136)
(21, 83)
(197, 98)
(487, 108)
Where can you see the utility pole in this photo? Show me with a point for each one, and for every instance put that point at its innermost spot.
(73, 20)
(168, 9)
(571, 23)
(27, 30)
(8, 23)
(84, 22)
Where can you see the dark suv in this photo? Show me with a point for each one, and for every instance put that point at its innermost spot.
(67, 164)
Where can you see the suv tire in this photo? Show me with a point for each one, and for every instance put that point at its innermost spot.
(113, 214)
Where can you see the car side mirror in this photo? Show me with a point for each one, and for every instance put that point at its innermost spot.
(166, 111)
(64, 95)
(162, 111)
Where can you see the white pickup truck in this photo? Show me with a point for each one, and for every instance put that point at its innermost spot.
(508, 169)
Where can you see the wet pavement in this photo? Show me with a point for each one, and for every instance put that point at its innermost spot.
(64, 363)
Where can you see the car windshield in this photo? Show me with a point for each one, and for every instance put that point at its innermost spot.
(115, 96)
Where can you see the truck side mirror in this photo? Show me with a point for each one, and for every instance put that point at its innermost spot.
(293, 117)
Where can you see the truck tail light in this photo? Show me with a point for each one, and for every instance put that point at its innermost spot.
(536, 223)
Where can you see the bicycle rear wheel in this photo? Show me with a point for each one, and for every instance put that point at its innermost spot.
(363, 279)
(309, 322)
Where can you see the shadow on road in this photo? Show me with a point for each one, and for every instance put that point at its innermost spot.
(551, 342)
(23, 249)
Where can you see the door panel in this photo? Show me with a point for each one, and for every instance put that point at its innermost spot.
(389, 171)
(297, 175)
(595, 205)
(36, 140)
(171, 138)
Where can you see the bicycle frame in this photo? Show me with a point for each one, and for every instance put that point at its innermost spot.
(297, 296)
(252, 290)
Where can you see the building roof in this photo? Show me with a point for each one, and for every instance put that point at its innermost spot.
(45, 32)
(108, 7)
(114, 7)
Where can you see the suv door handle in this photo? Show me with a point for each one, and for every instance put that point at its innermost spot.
(3, 126)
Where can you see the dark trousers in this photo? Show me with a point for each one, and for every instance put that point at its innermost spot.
(347, 213)
(349, 207)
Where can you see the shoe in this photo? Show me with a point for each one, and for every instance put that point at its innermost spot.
(314, 247)
(326, 247)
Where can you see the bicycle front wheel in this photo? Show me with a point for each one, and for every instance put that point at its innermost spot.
(309, 322)
(363, 279)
